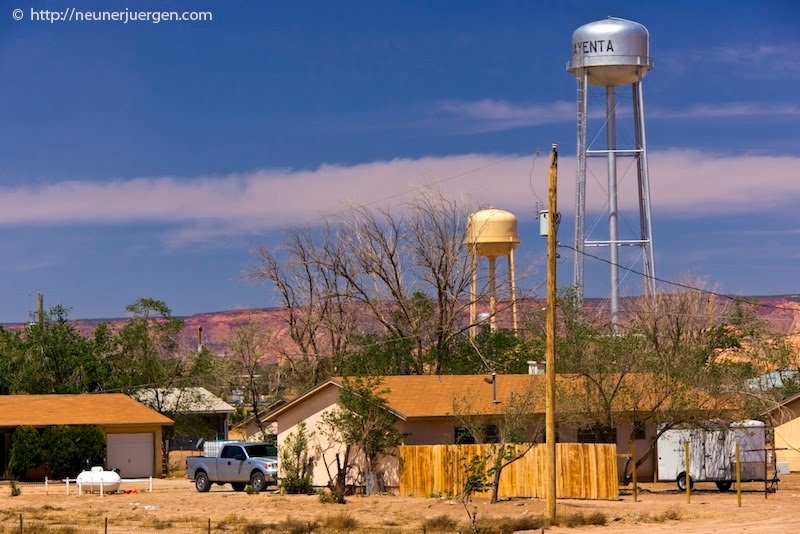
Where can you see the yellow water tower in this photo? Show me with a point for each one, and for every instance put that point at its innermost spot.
(492, 233)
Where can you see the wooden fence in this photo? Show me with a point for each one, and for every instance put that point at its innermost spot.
(583, 470)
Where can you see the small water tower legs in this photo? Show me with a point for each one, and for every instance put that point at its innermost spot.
(473, 289)
(512, 282)
(492, 293)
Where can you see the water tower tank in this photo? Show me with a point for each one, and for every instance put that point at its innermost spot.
(614, 51)
(492, 232)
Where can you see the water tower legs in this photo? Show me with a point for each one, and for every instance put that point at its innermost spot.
(613, 222)
(512, 282)
(473, 290)
(492, 293)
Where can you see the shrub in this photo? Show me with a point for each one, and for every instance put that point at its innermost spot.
(26, 450)
(295, 526)
(15, 491)
(69, 449)
(250, 490)
(439, 523)
(295, 463)
(325, 497)
(507, 525)
(341, 521)
(579, 519)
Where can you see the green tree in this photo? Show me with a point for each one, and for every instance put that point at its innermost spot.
(26, 450)
(67, 450)
(365, 425)
(296, 465)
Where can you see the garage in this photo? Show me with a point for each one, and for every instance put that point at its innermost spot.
(133, 431)
(132, 454)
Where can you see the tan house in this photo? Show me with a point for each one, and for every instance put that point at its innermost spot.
(424, 406)
(784, 418)
(133, 431)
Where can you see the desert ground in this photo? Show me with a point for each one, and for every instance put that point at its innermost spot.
(175, 506)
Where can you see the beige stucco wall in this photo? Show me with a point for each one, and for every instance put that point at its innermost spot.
(158, 466)
(786, 423)
(787, 436)
(430, 431)
(311, 410)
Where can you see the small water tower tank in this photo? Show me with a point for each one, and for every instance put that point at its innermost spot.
(614, 51)
(491, 233)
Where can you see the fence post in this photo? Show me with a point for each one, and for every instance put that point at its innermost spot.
(46, 489)
(20, 523)
(67, 481)
(738, 477)
(106, 526)
(151, 487)
(209, 525)
(688, 473)
(101, 487)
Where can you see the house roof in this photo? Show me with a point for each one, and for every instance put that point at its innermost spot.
(425, 396)
(194, 400)
(85, 409)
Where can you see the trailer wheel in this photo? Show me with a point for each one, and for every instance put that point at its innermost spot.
(238, 486)
(681, 482)
(724, 485)
(201, 482)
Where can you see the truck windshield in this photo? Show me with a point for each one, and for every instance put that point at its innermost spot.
(261, 451)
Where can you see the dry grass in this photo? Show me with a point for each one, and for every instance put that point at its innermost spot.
(296, 526)
(579, 519)
(507, 525)
(341, 521)
(439, 523)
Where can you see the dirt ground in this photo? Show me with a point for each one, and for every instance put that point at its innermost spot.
(175, 506)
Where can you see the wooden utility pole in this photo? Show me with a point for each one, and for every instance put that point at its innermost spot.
(40, 308)
(550, 359)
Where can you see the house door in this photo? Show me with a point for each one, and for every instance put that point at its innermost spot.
(132, 454)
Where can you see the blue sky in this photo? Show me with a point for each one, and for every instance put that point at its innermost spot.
(147, 159)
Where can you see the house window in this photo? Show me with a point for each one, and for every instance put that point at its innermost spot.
(597, 434)
(489, 433)
(463, 436)
(639, 430)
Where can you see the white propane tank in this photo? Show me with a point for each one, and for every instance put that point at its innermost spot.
(89, 481)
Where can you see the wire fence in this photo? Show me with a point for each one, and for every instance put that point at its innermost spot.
(22, 524)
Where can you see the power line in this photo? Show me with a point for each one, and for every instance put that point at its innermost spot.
(678, 284)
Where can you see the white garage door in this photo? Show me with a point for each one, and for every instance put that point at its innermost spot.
(132, 454)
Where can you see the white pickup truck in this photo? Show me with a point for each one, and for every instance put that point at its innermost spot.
(239, 463)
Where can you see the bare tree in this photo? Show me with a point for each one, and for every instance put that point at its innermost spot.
(318, 319)
(684, 357)
(511, 422)
(247, 345)
(404, 275)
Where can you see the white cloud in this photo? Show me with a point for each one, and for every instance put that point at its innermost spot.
(684, 182)
(497, 115)
(492, 115)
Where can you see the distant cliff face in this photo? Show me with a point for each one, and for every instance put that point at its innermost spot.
(781, 312)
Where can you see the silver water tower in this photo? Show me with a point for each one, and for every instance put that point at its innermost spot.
(611, 53)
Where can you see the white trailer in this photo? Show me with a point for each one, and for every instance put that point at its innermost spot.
(712, 453)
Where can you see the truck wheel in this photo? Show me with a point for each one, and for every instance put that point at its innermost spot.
(201, 482)
(724, 485)
(258, 481)
(681, 482)
(238, 486)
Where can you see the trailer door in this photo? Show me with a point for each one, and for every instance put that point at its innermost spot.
(717, 455)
